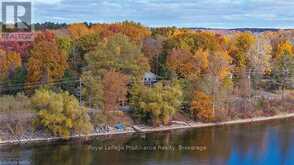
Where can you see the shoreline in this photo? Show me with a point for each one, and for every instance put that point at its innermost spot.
(145, 129)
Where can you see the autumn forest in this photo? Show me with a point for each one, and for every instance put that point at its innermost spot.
(74, 78)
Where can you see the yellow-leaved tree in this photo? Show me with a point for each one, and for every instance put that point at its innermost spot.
(157, 104)
(60, 113)
(240, 45)
(284, 47)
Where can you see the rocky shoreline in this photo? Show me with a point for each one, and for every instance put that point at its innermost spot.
(147, 129)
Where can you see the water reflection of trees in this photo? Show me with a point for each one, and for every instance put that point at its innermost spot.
(259, 143)
(220, 143)
(286, 136)
(253, 143)
(62, 155)
(248, 141)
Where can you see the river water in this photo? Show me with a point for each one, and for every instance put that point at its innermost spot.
(268, 143)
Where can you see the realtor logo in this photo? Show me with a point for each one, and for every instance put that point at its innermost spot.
(16, 16)
(16, 21)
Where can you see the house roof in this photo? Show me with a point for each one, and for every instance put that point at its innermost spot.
(150, 74)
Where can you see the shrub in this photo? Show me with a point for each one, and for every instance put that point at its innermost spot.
(18, 103)
(16, 114)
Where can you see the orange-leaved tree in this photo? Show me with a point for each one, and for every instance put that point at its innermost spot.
(184, 64)
(115, 90)
(78, 30)
(216, 81)
(202, 106)
(47, 62)
(135, 31)
(9, 62)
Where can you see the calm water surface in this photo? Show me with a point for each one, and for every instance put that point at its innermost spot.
(270, 143)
